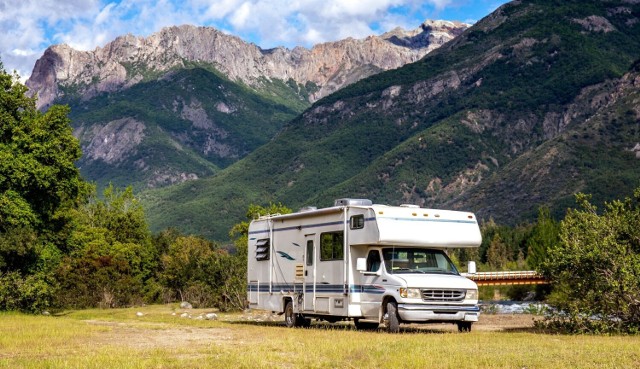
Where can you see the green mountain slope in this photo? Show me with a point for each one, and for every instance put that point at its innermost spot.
(599, 155)
(461, 128)
(131, 137)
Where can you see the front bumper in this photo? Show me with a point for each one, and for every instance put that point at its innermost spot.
(438, 313)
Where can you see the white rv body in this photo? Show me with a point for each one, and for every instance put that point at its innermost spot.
(361, 261)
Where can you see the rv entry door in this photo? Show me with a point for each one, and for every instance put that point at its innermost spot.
(309, 274)
(372, 286)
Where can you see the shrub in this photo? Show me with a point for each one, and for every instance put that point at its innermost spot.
(32, 293)
(595, 268)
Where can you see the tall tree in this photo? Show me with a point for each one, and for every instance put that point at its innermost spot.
(38, 177)
(39, 184)
(544, 235)
(595, 268)
(497, 253)
(111, 259)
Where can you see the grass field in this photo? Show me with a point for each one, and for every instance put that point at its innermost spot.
(161, 338)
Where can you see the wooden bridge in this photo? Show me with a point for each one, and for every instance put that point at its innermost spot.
(506, 278)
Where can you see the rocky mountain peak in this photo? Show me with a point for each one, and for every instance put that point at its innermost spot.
(128, 60)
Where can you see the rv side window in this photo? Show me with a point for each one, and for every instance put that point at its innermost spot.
(357, 222)
(331, 246)
(262, 249)
(373, 261)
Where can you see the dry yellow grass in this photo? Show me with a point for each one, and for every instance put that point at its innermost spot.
(120, 339)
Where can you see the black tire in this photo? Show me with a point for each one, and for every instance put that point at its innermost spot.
(393, 321)
(366, 326)
(464, 327)
(290, 318)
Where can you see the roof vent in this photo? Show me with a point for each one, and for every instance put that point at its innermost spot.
(352, 202)
(409, 206)
(307, 209)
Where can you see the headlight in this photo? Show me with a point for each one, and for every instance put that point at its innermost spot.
(410, 293)
(471, 295)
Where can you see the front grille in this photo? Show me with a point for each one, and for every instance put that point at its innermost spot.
(443, 295)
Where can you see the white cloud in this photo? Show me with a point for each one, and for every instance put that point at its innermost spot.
(104, 14)
(24, 26)
(242, 15)
(440, 4)
(29, 26)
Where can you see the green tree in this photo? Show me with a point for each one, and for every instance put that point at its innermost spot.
(111, 259)
(39, 187)
(186, 267)
(497, 253)
(38, 177)
(595, 268)
(544, 235)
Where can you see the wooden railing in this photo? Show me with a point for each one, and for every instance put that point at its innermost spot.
(506, 278)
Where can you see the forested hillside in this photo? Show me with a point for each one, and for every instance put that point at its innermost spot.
(522, 110)
(182, 127)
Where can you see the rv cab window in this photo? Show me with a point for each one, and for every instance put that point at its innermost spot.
(417, 260)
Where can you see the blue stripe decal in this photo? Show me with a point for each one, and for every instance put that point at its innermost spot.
(320, 288)
(285, 255)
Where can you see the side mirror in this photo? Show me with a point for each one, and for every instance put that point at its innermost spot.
(471, 267)
(361, 264)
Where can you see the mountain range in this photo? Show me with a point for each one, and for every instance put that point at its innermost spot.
(535, 102)
(186, 101)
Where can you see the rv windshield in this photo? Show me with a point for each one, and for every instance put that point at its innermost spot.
(415, 260)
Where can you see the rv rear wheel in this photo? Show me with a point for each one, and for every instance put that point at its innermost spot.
(290, 318)
(393, 322)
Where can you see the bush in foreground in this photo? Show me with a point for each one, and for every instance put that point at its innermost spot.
(595, 269)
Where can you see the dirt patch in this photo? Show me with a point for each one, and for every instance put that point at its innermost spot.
(505, 322)
(150, 335)
(158, 335)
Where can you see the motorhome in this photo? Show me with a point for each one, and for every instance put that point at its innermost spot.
(373, 264)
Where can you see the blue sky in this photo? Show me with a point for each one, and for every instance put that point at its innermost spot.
(28, 27)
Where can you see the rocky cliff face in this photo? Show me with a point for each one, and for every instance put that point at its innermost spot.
(128, 60)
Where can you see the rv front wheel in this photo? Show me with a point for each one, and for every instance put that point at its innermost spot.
(393, 322)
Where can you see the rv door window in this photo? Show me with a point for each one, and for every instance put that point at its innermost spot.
(331, 246)
(310, 252)
(262, 249)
